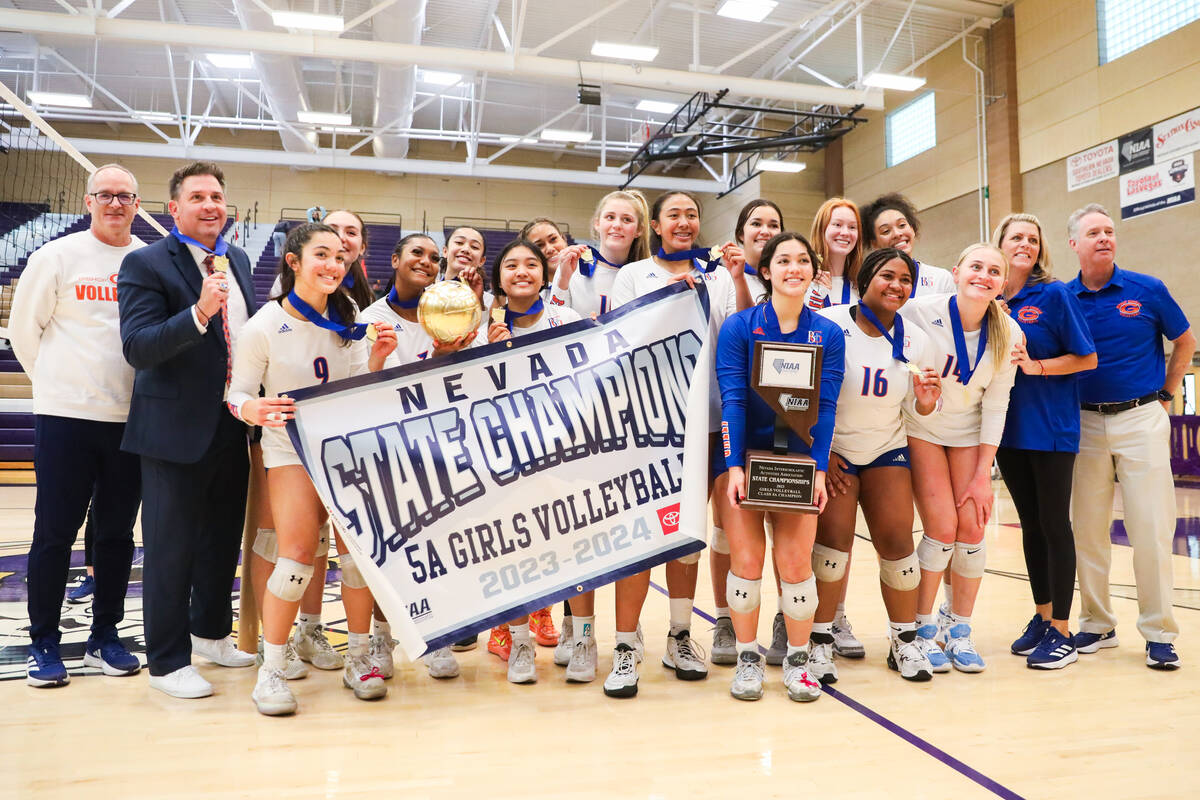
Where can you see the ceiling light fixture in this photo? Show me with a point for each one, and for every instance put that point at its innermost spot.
(153, 116)
(60, 99)
(885, 80)
(557, 135)
(657, 107)
(775, 165)
(310, 22)
(323, 118)
(748, 10)
(624, 52)
(438, 78)
(230, 60)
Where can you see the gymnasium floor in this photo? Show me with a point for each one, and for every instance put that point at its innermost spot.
(1104, 727)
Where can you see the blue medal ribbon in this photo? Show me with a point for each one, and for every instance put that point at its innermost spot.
(846, 296)
(348, 279)
(588, 268)
(395, 300)
(965, 370)
(749, 270)
(697, 254)
(897, 341)
(510, 316)
(355, 330)
(916, 277)
(221, 248)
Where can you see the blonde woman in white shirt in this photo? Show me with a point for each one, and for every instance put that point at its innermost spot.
(972, 345)
(307, 337)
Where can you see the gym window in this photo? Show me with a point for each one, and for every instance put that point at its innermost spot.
(911, 129)
(1126, 25)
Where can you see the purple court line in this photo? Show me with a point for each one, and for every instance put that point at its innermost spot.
(907, 735)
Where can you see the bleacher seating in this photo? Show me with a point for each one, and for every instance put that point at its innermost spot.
(381, 240)
(14, 215)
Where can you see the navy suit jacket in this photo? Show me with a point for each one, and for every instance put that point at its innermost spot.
(179, 377)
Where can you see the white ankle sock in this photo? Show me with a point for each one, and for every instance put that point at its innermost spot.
(520, 633)
(274, 655)
(582, 628)
(311, 620)
(796, 648)
(681, 614)
(823, 627)
(359, 643)
(627, 638)
(722, 613)
(743, 647)
(897, 628)
(925, 619)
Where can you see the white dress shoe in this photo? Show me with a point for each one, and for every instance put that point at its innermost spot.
(222, 652)
(184, 682)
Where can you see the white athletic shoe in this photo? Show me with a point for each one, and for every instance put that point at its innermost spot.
(748, 677)
(944, 621)
(802, 685)
(566, 643)
(623, 680)
(521, 666)
(293, 668)
(363, 677)
(926, 641)
(186, 683)
(909, 660)
(222, 652)
(845, 643)
(820, 662)
(584, 660)
(686, 657)
(961, 650)
(271, 694)
(380, 653)
(441, 663)
(312, 646)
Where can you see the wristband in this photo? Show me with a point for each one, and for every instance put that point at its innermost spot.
(201, 315)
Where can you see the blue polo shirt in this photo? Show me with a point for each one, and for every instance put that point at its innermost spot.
(1043, 411)
(1128, 318)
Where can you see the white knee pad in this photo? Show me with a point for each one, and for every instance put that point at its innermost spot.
(719, 542)
(934, 555)
(742, 595)
(689, 559)
(288, 579)
(799, 599)
(266, 545)
(903, 574)
(350, 575)
(969, 559)
(828, 565)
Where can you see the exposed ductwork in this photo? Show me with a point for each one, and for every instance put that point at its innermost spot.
(395, 85)
(280, 76)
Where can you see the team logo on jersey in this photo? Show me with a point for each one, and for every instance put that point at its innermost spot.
(651, 274)
(668, 519)
(814, 337)
(1129, 308)
(1029, 314)
(793, 403)
(556, 301)
(284, 328)
(759, 332)
(938, 322)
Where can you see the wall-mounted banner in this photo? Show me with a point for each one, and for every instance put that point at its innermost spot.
(1135, 150)
(1177, 135)
(1163, 185)
(1092, 166)
(480, 486)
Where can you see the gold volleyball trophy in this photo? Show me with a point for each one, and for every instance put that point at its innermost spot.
(787, 377)
(448, 310)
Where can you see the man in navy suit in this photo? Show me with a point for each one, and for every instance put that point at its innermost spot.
(183, 301)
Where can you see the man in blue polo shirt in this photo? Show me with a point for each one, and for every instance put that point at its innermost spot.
(1125, 433)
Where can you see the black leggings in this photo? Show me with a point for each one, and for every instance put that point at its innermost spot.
(1040, 484)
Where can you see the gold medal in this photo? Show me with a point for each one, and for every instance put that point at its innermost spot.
(498, 315)
(220, 263)
(714, 253)
(372, 334)
(914, 369)
(586, 256)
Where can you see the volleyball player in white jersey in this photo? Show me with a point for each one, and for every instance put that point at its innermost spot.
(757, 223)
(462, 258)
(544, 233)
(973, 347)
(675, 223)
(305, 338)
(891, 221)
(519, 274)
(869, 465)
(621, 229)
(837, 239)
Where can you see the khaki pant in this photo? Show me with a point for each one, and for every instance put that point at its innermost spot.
(1133, 446)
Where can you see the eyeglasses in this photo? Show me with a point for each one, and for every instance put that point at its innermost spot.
(104, 198)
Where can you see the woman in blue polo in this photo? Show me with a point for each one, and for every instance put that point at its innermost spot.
(786, 268)
(1041, 434)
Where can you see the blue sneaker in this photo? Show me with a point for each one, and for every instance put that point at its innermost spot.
(1161, 655)
(44, 667)
(110, 656)
(83, 591)
(1055, 651)
(1091, 642)
(961, 650)
(1031, 637)
(927, 641)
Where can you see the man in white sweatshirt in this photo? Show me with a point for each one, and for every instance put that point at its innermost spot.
(65, 330)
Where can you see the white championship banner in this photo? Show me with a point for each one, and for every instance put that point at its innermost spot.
(477, 487)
